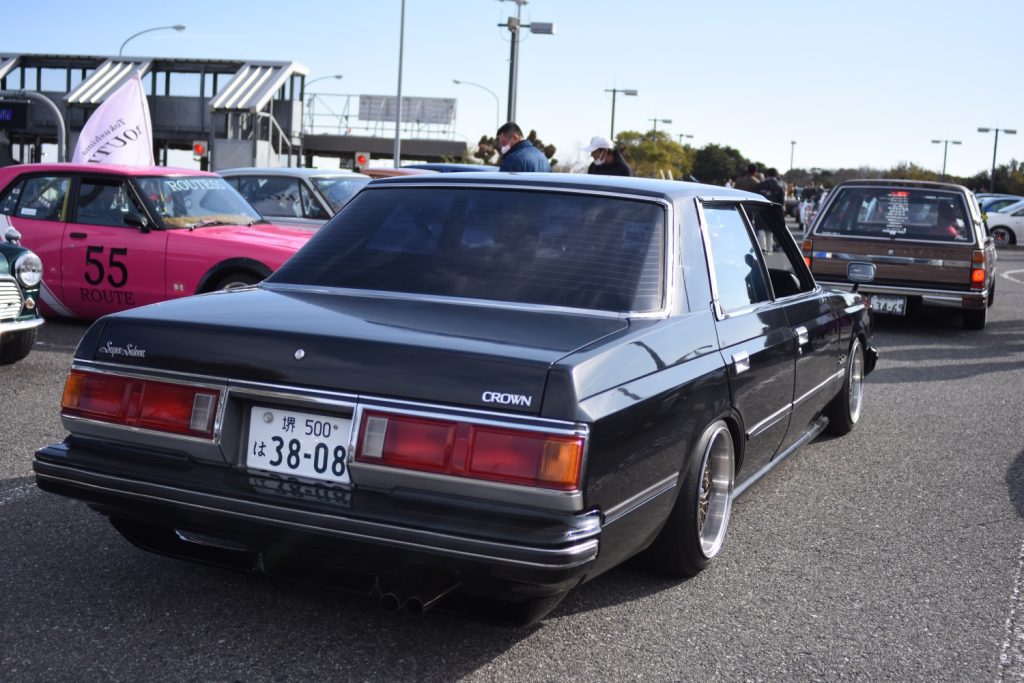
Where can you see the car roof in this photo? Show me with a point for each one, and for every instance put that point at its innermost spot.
(898, 182)
(651, 187)
(453, 167)
(291, 172)
(108, 169)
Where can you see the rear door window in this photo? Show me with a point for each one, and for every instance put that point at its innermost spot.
(39, 197)
(897, 213)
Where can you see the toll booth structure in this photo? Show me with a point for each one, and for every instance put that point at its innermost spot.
(239, 113)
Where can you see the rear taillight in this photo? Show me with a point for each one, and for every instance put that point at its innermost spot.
(141, 403)
(978, 270)
(808, 247)
(463, 449)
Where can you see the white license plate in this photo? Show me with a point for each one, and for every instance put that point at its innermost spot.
(891, 305)
(299, 444)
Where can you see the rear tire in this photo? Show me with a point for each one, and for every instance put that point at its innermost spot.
(16, 346)
(843, 412)
(975, 319)
(695, 530)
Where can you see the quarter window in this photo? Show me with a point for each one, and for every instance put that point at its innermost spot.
(40, 198)
(738, 273)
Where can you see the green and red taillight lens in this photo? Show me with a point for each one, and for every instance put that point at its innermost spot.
(141, 403)
(465, 449)
(978, 270)
(808, 249)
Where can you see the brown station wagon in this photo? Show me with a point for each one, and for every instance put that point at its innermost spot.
(927, 242)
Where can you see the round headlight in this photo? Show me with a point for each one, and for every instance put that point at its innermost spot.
(28, 268)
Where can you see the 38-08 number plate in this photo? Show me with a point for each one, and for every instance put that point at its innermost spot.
(297, 443)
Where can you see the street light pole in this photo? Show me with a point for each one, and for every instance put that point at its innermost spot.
(945, 149)
(614, 92)
(497, 102)
(310, 116)
(655, 122)
(792, 147)
(514, 25)
(398, 104)
(176, 27)
(684, 135)
(995, 146)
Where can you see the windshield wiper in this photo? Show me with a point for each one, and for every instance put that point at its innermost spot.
(207, 224)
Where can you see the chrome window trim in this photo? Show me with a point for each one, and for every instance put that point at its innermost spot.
(638, 500)
(668, 280)
(894, 260)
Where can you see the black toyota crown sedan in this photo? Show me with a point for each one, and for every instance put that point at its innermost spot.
(470, 391)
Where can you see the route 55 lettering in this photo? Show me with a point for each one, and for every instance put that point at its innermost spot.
(116, 272)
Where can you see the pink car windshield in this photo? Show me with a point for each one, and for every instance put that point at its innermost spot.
(196, 201)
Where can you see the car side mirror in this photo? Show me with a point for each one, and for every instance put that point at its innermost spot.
(859, 273)
(12, 236)
(138, 220)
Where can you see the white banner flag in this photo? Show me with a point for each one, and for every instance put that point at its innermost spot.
(119, 131)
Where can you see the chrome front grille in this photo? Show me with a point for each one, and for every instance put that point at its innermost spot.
(10, 299)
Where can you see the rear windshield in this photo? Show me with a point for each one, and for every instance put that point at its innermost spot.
(907, 213)
(557, 249)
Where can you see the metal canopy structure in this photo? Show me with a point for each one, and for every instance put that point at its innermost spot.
(237, 107)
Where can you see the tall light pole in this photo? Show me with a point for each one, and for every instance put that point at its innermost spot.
(514, 24)
(684, 135)
(615, 91)
(792, 147)
(309, 101)
(995, 146)
(398, 102)
(176, 27)
(945, 149)
(655, 123)
(497, 103)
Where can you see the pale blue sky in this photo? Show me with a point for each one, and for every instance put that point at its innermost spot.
(855, 83)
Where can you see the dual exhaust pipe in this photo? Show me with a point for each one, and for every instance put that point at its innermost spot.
(415, 596)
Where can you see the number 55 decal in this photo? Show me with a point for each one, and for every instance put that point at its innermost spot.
(96, 277)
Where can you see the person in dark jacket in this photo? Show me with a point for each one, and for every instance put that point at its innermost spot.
(607, 159)
(519, 154)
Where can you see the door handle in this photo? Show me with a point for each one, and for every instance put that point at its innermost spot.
(79, 235)
(801, 335)
(741, 362)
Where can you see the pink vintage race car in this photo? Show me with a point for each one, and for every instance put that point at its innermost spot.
(116, 237)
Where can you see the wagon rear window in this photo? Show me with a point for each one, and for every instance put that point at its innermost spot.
(556, 249)
(889, 212)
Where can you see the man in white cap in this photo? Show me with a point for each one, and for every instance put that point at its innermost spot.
(607, 159)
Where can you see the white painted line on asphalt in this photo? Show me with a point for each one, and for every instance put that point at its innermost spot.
(18, 492)
(1011, 659)
(1009, 276)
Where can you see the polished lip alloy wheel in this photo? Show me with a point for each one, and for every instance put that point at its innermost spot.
(717, 477)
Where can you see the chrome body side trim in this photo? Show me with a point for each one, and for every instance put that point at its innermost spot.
(636, 501)
(816, 428)
(893, 260)
(770, 421)
(831, 379)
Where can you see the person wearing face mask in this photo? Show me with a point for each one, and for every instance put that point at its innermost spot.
(607, 159)
(519, 154)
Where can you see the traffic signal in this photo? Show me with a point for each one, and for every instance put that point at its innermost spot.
(361, 159)
(200, 150)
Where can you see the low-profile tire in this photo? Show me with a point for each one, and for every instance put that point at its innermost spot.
(843, 412)
(1002, 236)
(992, 293)
(14, 347)
(695, 530)
(975, 318)
(236, 280)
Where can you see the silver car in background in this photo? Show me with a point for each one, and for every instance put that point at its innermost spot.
(297, 197)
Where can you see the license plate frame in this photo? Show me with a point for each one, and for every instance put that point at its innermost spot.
(320, 450)
(889, 304)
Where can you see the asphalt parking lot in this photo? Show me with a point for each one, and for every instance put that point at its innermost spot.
(895, 553)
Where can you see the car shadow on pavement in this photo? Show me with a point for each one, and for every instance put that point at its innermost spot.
(1015, 483)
